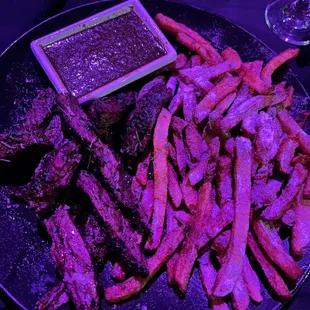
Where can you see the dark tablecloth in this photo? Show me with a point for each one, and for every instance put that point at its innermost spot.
(18, 16)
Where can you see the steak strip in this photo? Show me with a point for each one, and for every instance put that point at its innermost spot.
(72, 260)
(121, 235)
(110, 168)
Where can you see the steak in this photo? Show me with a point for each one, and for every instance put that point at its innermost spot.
(123, 238)
(142, 119)
(111, 169)
(73, 260)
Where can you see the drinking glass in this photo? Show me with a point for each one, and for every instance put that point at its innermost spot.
(290, 20)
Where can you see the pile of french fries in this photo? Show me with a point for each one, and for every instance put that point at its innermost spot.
(231, 171)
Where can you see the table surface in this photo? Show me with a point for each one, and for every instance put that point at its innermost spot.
(247, 14)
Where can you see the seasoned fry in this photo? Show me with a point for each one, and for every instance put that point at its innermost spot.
(208, 275)
(196, 174)
(270, 241)
(134, 285)
(180, 62)
(172, 84)
(216, 94)
(240, 296)
(302, 159)
(255, 66)
(224, 180)
(193, 45)
(232, 55)
(251, 281)
(265, 194)
(276, 62)
(189, 251)
(224, 105)
(286, 154)
(160, 177)
(290, 127)
(142, 170)
(301, 230)
(247, 108)
(180, 154)
(196, 60)
(283, 203)
(266, 141)
(183, 217)
(287, 103)
(255, 81)
(242, 95)
(272, 275)
(193, 142)
(189, 103)
(190, 195)
(289, 218)
(171, 267)
(249, 125)
(174, 187)
(176, 104)
(232, 268)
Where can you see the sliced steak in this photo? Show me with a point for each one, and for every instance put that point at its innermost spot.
(73, 260)
(142, 119)
(122, 236)
(110, 168)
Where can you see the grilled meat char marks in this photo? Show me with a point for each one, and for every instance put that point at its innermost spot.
(73, 260)
(142, 119)
(56, 168)
(110, 168)
(108, 111)
(121, 235)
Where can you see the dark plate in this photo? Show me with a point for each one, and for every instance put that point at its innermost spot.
(26, 269)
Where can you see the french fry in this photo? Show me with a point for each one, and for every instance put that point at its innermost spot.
(172, 84)
(286, 154)
(216, 94)
(231, 270)
(266, 141)
(183, 217)
(134, 285)
(200, 76)
(180, 62)
(174, 187)
(242, 95)
(172, 154)
(287, 103)
(224, 104)
(240, 296)
(192, 45)
(196, 60)
(247, 108)
(229, 147)
(170, 270)
(277, 209)
(193, 141)
(251, 281)
(255, 66)
(224, 180)
(273, 277)
(189, 251)
(232, 55)
(290, 127)
(276, 62)
(189, 103)
(255, 81)
(249, 125)
(160, 178)
(142, 170)
(208, 275)
(300, 240)
(264, 194)
(289, 218)
(302, 159)
(190, 195)
(176, 104)
(178, 125)
(270, 241)
(180, 154)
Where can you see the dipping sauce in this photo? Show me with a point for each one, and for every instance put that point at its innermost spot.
(98, 55)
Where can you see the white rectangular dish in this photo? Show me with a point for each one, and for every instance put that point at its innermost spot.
(38, 46)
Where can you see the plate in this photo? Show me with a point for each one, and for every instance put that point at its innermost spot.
(26, 268)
